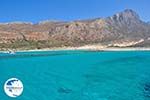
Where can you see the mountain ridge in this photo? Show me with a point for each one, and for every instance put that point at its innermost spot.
(124, 29)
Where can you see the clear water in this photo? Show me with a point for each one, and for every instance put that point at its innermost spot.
(78, 75)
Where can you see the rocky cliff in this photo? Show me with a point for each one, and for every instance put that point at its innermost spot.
(123, 29)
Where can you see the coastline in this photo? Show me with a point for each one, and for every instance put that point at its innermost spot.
(86, 48)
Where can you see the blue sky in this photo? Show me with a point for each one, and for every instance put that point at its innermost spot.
(39, 10)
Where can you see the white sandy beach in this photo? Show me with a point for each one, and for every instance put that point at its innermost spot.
(88, 48)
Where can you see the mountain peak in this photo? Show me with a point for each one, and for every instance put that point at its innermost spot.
(126, 15)
(130, 13)
(129, 10)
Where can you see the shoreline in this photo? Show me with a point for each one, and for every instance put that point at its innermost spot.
(86, 48)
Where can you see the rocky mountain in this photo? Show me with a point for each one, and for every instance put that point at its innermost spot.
(124, 29)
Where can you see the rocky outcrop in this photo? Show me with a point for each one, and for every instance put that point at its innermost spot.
(36, 36)
(122, 29)
(9, 37)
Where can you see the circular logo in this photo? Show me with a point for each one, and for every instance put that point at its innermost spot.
(13, 87)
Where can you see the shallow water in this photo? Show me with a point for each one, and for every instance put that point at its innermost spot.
(78, 75)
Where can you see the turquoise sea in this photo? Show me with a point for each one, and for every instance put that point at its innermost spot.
(78, 75)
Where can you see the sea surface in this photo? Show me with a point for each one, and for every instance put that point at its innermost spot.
(78, 75)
